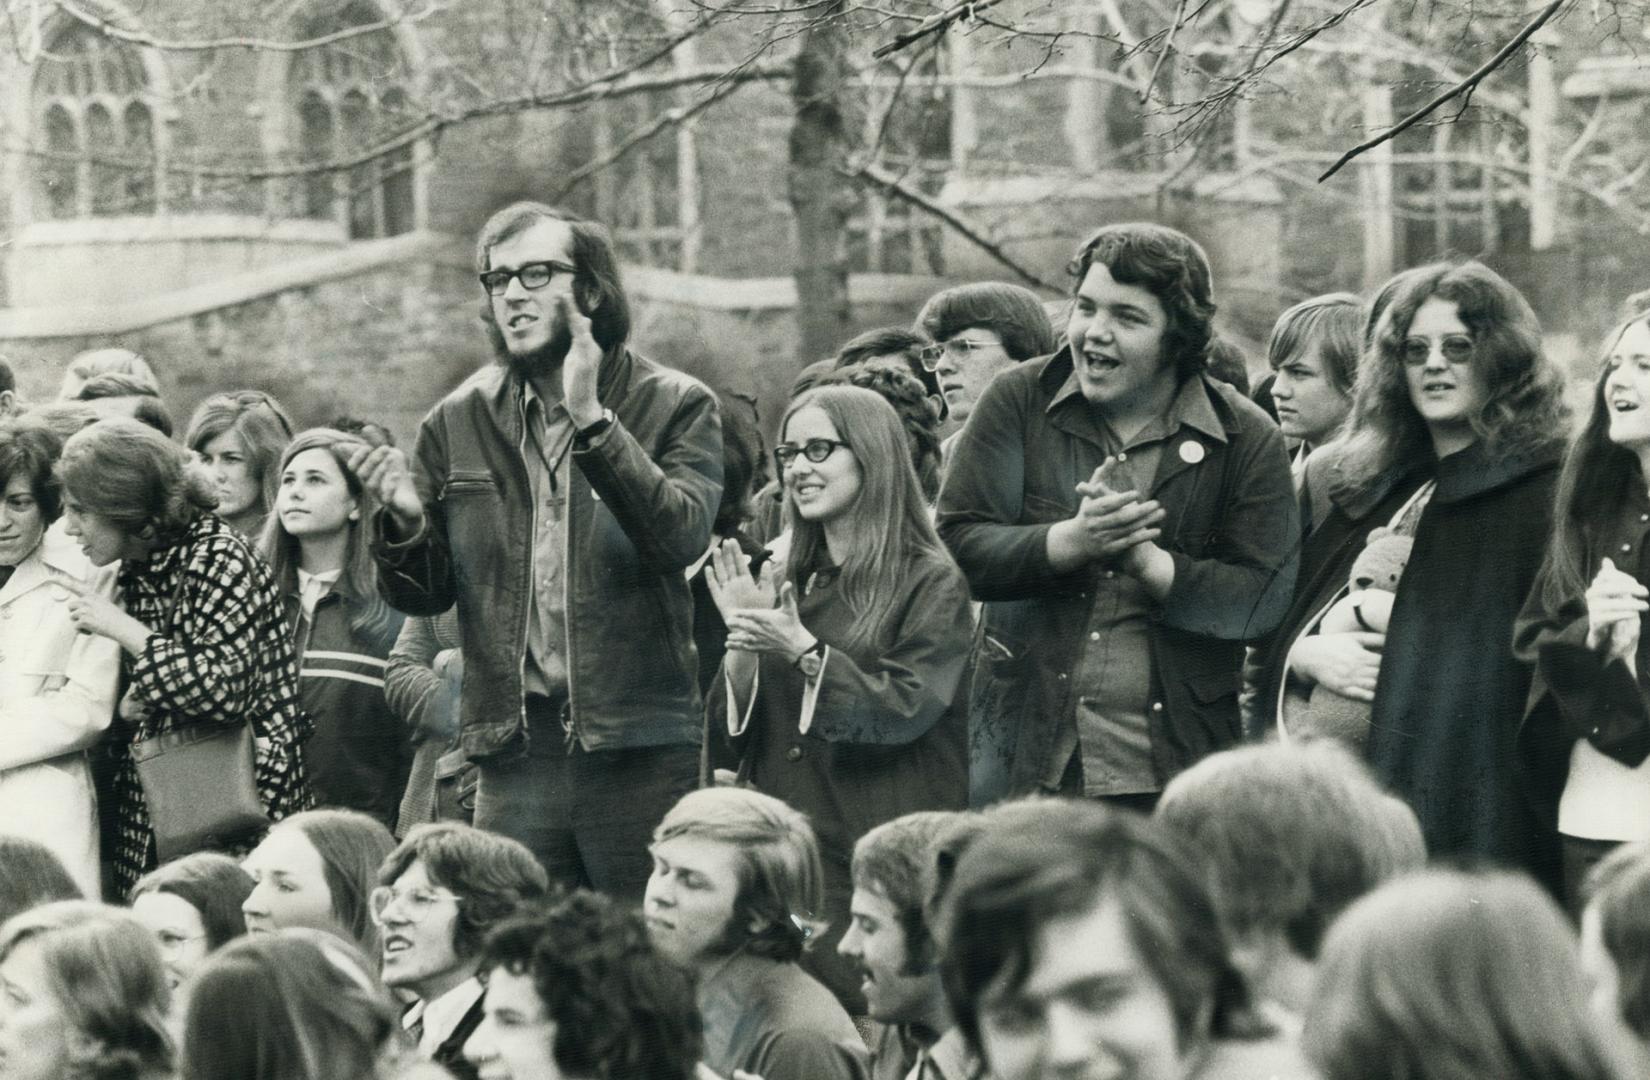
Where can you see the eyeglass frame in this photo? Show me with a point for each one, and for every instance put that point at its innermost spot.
(504, 277)
(786, 453)
(391, 895)
(929, 355)
(1441, 346)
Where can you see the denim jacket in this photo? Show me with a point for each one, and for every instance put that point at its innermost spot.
(1231, 528)
(639, 508)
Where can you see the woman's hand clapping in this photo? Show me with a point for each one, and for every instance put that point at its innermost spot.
(1616, 604)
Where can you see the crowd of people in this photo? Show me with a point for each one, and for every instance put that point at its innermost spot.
(1045, 702)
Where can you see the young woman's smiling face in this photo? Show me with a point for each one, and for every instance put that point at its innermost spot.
(821, 490)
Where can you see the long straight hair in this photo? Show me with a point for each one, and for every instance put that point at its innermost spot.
(370, 616)
(1596, 473)
(1523, 413)
(890, 527)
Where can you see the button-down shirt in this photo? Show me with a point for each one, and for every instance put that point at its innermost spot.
(1113, 688)
(549, 436)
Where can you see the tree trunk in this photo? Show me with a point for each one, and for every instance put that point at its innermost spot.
(820, 196)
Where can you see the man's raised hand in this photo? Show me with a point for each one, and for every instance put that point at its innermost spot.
(383, 471)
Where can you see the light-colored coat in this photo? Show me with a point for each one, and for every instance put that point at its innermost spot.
(57, 695)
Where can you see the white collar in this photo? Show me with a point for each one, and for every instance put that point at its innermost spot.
(443, 1015)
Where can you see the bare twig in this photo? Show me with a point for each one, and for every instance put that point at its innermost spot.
(1168, 46)
(894, 186)
(933, 25)
(1465, 86)
(670, 118)
(138, 37)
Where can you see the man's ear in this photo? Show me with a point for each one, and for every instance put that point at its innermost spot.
(8, 403)
(589, 297)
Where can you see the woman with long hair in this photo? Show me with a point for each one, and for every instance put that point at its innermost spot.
(84, 996)
(238, 437)
(1457, 391)
(202, 634)
(842, 684)
(1590, 698)
(1446, 975)
(319, 543)
(318, 869)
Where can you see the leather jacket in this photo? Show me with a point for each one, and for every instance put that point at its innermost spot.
(640, 501)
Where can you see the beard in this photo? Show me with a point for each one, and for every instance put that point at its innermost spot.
(535, 363)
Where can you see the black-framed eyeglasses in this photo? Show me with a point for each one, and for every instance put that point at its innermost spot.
(1456, 349)
(815, 450)
(959, 347)
(533, 275)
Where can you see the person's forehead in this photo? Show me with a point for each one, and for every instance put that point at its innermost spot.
(1087, 945)
(701, 854)
(979, 333)
(1099, 286)
(809, 422)
(870, 901)
(545, 240)
(19, 484)
(415, 875)
(513, 990)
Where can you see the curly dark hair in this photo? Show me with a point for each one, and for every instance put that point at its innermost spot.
(1172, 267)
(621, 1010)
(492, 875)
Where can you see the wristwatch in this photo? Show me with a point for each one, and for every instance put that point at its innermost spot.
(811, 659)
(590, 431)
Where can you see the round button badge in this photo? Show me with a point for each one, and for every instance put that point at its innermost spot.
(1192, 452)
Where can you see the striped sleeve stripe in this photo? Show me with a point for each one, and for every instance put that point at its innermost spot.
(349, 657)
(330, 673)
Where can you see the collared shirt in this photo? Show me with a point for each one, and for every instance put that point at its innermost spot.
(548, 440)
(1113, 676)
(434, 1021)
(313, 587)
(947, 1059)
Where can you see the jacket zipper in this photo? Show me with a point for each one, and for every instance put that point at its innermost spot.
(532, 571)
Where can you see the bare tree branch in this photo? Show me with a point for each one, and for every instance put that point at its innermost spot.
(137, 37)
(1465, 86)
(933, 25)
(894, 186)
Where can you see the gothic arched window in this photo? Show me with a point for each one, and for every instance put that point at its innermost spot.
(95, 128)
(346, 97)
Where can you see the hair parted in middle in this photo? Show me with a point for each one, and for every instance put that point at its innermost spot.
(1523, 414)
(492, 875)
(135, 477)
(781, 882)
(257, 420)
(891, 524)
(1172, 267)
(370, 616)
(1595, 474)
(598, 284)
(1012, 312)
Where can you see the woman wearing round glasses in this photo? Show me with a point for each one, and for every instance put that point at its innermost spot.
(1457, 387)
(842, 683)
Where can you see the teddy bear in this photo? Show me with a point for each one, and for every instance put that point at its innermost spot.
(1366, 607)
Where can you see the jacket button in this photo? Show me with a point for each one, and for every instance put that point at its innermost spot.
(1094, 635)
(1595, 731)
(1062, 676)
(1157, 707)
(794, 754)
(1626, 547)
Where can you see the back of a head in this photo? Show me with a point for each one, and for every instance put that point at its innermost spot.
(284, 1007)
(1618, 911)
(1288, 835)
(1452, 975)
(110, 361)
(102, 968)
(134, 476)
(30, 875)
(620, 1010)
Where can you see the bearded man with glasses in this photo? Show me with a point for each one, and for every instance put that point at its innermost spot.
(439, 894)
(557, 499)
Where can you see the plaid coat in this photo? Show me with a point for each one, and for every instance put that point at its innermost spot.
(225, 654)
